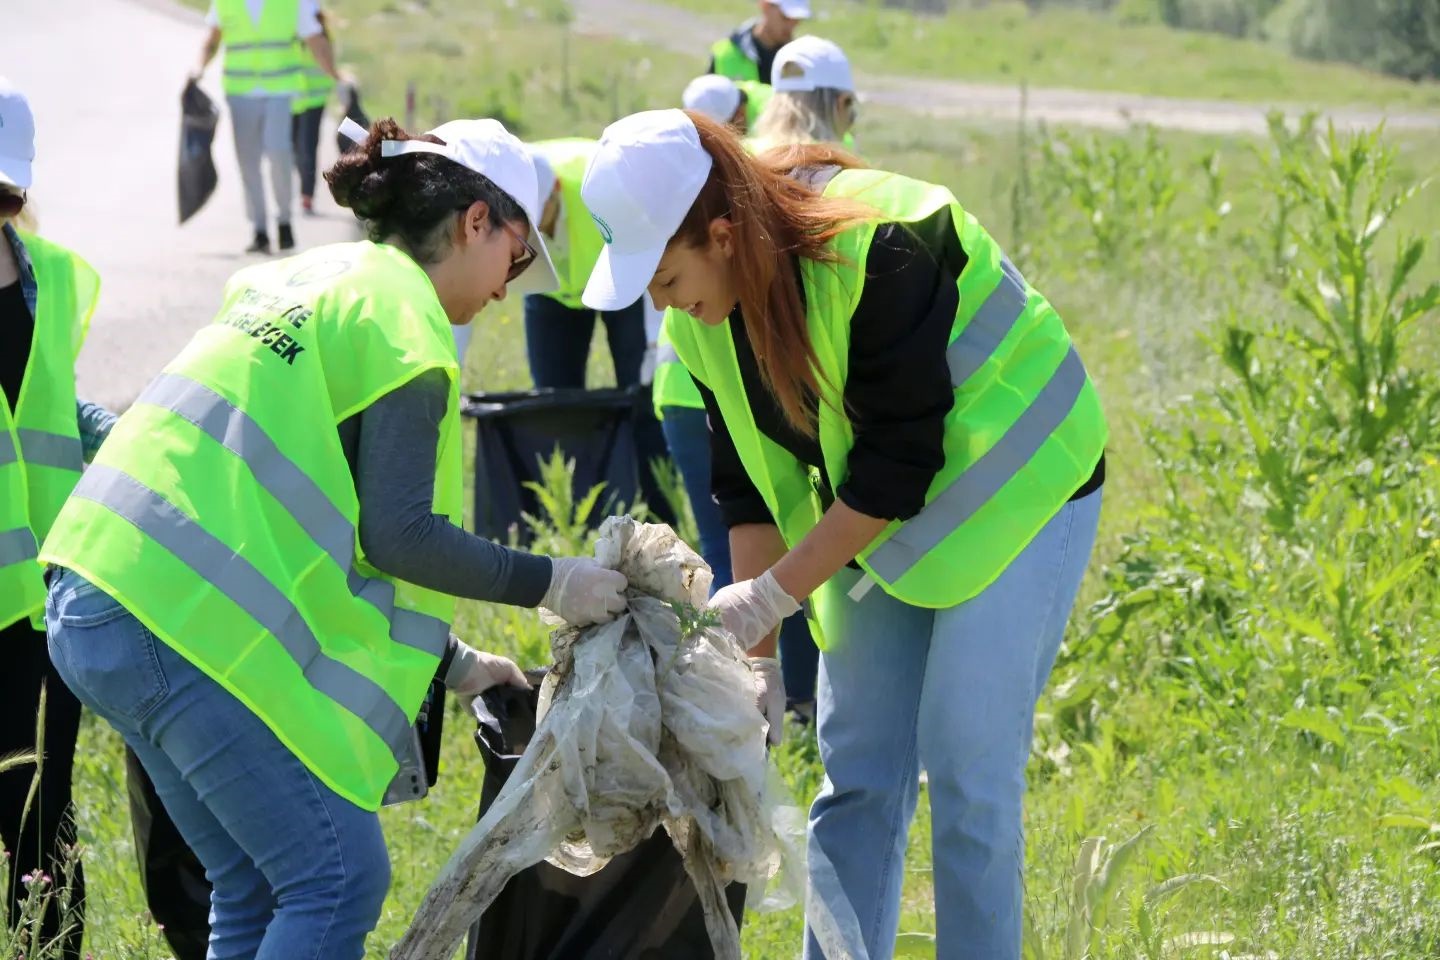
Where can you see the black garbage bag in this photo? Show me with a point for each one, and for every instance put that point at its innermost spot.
(173, 878)
(640, 906)
(515, 432)
(197, 178)
(350, 97)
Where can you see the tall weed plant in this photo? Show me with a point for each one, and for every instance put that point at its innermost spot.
(1294, 546)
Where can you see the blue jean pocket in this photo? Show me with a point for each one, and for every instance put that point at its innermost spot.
(106, 655)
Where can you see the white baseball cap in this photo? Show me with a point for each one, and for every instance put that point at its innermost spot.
(486, 147)
(794, 9)
(17, 137)
(713, 95)
(646, 173)
(810, 63)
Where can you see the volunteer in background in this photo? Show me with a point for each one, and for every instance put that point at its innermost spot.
(748, 52)
(262, 77)
(254, 581)
(736, 102)
(47, 295)
(308, 112)
(718, 98)
(814, 97)
(904, 436)
(558, 327)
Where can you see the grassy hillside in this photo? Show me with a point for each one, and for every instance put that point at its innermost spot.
(1002, 42)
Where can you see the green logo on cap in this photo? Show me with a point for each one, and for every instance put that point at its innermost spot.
(606, 233)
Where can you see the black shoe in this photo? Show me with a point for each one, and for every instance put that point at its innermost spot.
(287, 239)
(261, 243)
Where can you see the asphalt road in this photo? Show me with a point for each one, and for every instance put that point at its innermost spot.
(104, 78)
(689, 33)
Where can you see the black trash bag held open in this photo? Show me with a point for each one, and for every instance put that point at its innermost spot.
(515, 432)
(641, 905)
(645, 728)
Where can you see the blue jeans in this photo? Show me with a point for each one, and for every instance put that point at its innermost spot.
(557, 341)
(953, 690)
(299, 873)
(687, 434)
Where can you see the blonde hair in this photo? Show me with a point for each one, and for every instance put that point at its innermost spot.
(794, 116)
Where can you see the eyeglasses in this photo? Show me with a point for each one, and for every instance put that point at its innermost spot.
(521, 263)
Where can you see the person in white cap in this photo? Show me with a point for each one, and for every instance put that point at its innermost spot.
(747, 53)
(47, 294)
(254, 581)
(264, 71)
(718, 98)
(903, 436)
(814, 97)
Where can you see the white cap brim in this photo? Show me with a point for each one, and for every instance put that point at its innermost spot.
(15, 173)
(619, 279)
(540, 276)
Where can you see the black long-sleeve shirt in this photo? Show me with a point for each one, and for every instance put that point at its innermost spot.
(898, 389)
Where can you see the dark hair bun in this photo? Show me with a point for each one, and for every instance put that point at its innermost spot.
(410, 198)
(366, 182)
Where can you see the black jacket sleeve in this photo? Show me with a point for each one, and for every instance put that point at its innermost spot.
(734, 493)
(898, 391)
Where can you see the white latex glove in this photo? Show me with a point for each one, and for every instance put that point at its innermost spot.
(472, 672)
(753, 609)
(770, 695)
(582, 592)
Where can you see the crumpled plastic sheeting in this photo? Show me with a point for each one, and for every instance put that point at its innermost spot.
(637, 728)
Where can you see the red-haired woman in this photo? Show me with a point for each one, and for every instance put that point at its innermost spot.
(904, 436)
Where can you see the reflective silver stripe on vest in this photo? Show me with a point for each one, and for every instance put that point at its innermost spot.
(7, 450)
(301, 497)
(238, 432)
(17, 546)
(247, 588)
(410, 627)
(984, 478)
(46, 449)
(261, 45)
(990, 325)
(665, 353)
(260, 74)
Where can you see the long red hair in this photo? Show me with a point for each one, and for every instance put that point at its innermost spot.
(773, 217)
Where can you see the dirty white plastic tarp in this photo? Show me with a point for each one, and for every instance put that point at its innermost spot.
(638, 727)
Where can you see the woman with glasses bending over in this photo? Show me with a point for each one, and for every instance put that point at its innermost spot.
(254, 582)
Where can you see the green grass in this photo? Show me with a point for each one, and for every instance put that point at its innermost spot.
(1251, 673)
(1001, 42)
